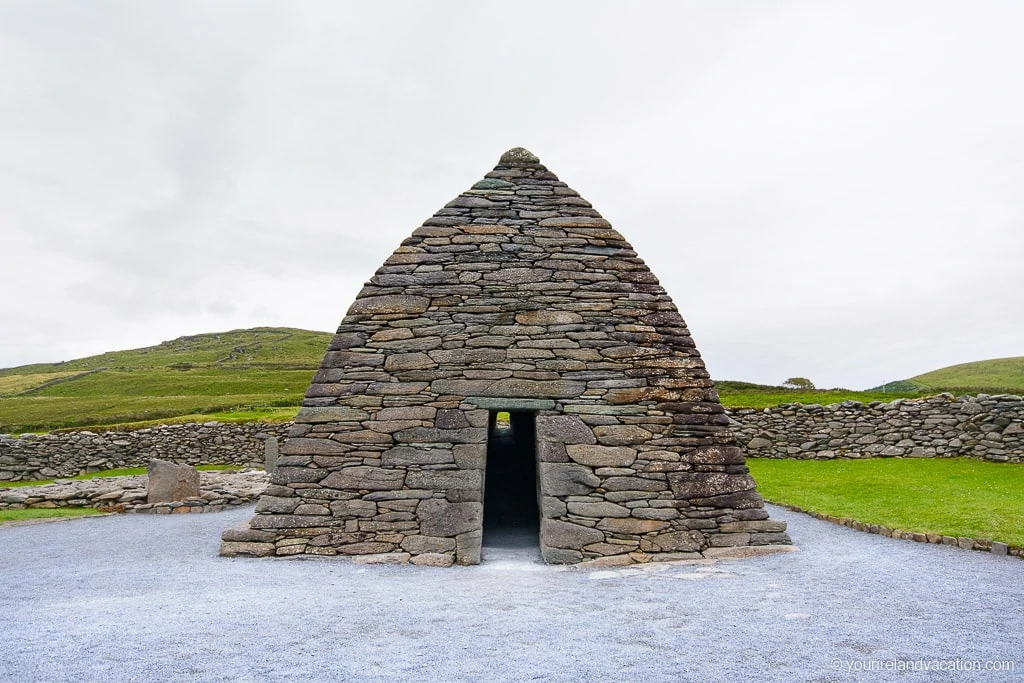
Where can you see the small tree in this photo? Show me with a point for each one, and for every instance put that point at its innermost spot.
(798, 383)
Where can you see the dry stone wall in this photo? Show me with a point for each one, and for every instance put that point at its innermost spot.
(985, 427)
(217, 490)
(33, 457)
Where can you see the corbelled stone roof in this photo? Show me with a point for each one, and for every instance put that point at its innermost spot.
(520, 277)
(517, 295)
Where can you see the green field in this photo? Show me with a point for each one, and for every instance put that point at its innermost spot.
(766, 396)
(38, 513)
(16, 384)
(259, 347)
(262, 374)
(1000, 375)
(952, 497)
(748, 395)
(238, 375)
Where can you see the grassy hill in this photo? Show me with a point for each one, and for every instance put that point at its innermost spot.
(999, 375)
(244, 373)
(262, 373)
(747, 395)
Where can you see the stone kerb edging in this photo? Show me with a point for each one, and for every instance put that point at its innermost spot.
(33, 457)
(984, 427)
(963, 542)
(218, 490)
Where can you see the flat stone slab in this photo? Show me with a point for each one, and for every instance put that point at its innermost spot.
(510, 403)
(168, 482)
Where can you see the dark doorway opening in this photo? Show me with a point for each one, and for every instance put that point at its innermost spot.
(511, 514)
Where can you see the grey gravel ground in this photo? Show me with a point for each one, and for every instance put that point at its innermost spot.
(145, 598)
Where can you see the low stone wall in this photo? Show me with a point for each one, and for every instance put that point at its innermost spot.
(48, 456)
(217, 490)
(984, 427)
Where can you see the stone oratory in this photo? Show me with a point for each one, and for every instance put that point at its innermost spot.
(512, 365)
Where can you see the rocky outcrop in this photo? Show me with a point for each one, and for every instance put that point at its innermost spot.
(984, 427)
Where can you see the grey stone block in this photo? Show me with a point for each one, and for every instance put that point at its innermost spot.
(688, 485)
(560, 555)
(276, 505)
(468, 547)
(601, 456)
(168, 482)
(566, 480)
(271, 452)
(564, 429)
(407, 455)
(557, 534)
(246, 549)
(491, 403)
(418, 545)
(598, 509)
(362, 478)
(441, 518)
(674, 541)
(439, 480)
(552, 507)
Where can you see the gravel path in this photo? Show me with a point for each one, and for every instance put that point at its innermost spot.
(145, 598)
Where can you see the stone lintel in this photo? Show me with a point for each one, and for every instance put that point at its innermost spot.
(510, 403)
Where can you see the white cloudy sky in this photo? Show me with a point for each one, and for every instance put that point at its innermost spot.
(827, 189)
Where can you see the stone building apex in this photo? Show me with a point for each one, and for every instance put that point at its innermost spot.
(519, 156)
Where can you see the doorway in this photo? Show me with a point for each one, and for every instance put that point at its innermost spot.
(511, 505)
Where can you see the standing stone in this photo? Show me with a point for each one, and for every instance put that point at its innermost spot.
(168, 482)
(270, 453)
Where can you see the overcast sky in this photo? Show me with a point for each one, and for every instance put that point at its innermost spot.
(827, 189)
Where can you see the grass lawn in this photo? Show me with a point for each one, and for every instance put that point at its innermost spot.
(13, 384)
(46, 413)
(952, 497)
(36, 513)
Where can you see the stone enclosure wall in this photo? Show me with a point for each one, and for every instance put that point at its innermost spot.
(985, 427)
(32, 457)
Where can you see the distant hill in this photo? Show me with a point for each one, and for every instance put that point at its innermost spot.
(1000, 375)
(266, 347)
(238, 371)
(263, 373)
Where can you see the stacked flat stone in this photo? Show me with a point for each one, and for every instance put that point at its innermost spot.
(984, 427)
(217, 490)
(31, 457)
(515, 296)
